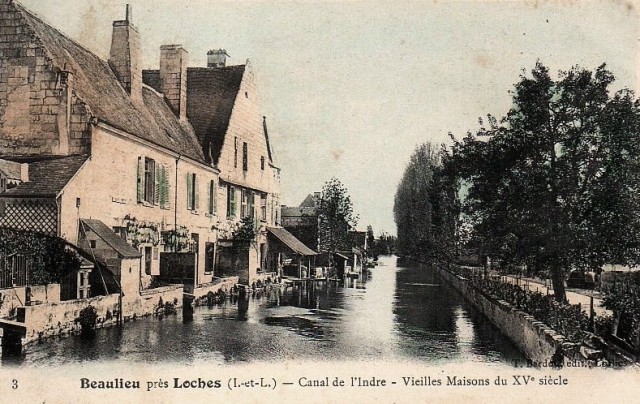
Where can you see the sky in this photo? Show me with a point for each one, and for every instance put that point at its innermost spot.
(350, 88)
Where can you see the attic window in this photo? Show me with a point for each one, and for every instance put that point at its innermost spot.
(262, 163)
(64, 78)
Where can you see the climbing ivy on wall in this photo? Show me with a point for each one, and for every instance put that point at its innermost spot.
(50, 258)
(140, 232)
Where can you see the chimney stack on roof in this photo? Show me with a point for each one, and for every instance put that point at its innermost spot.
(217, 58)
(24, 172)
(173, 78)
(124, 57)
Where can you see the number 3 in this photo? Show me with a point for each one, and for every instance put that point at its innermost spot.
(14, 384)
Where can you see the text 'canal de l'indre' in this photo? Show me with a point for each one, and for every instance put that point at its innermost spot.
(327, 381)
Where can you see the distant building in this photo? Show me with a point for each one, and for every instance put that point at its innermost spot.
(302, 221)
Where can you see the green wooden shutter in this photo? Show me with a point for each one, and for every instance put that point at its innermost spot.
(162, 186)
(251, 205)
(215, 196)
(232, 191)
(196, 193)
(156, 185)
(140, 179)
(167, 187)
(189, 191)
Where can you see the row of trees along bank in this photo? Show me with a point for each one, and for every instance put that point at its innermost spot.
(553, 185)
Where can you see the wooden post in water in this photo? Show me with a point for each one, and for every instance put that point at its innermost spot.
(591, 314)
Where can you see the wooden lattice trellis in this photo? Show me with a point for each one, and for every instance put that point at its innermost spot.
(33, 214)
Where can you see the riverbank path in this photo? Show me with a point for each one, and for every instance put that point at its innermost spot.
(573, 296)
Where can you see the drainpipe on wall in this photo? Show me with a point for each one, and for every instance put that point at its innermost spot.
(175, 209)
(59, 218)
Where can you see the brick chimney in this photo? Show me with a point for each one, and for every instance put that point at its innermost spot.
(24, 172)
(124, 57)
(173, 78)
(217, 58)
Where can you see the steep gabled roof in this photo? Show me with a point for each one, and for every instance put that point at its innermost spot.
(112, 239)
(95, 84)
(10, 168)
(211, 95)
(47, 177)
(291, 241)
(309, 202)
(295, 211)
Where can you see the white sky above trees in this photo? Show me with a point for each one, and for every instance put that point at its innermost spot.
(350, 88)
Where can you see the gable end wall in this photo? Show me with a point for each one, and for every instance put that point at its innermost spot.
(36, 115)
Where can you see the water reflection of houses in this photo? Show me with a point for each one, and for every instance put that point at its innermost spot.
(150, 175)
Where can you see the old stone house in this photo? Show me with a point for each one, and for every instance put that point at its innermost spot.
(170, 160)
(222, 104)
(101, 154)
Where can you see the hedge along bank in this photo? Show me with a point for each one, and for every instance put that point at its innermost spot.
(538, 342)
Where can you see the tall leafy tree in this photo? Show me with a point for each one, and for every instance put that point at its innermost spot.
(336, 217)
(553, 184)
(425, 205)
(371, 240)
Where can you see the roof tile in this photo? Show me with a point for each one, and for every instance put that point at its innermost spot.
(47, 177)
(96, 85)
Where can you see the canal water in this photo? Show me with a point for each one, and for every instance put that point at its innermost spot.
(394, 313)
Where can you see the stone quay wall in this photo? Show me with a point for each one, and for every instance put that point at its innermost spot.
(50, 317)
(534, 339)
(149, 300)
(225, 285)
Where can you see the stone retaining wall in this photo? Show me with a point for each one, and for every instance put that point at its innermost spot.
(49, 319)
(537, 341)
(58, 318)
(224, 284)
(149, 299)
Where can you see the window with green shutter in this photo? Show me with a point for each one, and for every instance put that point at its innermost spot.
(140, 177)
(251, 204)
(162, 186)
(243, 203)
(231, 201)
(192, 191)
(212, 197)
(263, 207)
(149, 180)
(148, 186)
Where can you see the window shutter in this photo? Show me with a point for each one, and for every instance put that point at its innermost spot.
(156, 187)
(211, 191)
(140, 179)
(215, 196)
(232, 194)
(161, 186)
(196, 194)
(189, 191)
(252, 209)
